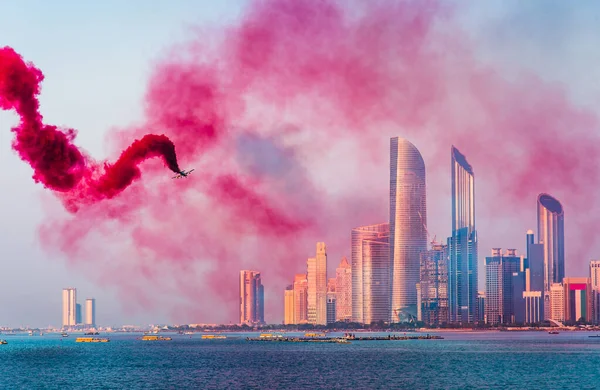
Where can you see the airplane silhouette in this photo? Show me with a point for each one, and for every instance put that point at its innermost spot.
(183, 174)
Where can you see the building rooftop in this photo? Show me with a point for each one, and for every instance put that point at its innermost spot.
(550, 203)
(461, 160)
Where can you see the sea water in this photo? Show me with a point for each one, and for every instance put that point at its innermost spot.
(508, 360)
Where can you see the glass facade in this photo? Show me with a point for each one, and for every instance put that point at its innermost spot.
(462, 267)
(251, 298)
(408, 221)
(551, 234)
(434, 285)
(376, 278)
(379, 232)
(499, 300)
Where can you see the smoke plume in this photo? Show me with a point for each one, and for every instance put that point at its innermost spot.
(286, 117)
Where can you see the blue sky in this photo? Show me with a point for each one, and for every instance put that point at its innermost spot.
(97, 57)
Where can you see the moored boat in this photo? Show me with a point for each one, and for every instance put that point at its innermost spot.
(91, 340)
(155, 338)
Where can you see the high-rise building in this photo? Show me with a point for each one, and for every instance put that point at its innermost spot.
(481, 307)
(518, 298)
(251, 298)
(371, 274)
(462, 267)
(577, 294)
(78, 320)
(300, 299)
(317, 286)
(408, 221)
(595, 284)
(69, 310)
(533, 307)
(90, 312)
(331, 300)
(551, 235)
(288, 305)
(557, 302)
(433, 285)
(534, 279)
(499, 269)
(343, 291)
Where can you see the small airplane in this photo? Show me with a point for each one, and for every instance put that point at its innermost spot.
(183, 174)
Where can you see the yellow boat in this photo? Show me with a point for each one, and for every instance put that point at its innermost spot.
(314, 335)
(91, 340)
(213, 336)
(156, 338)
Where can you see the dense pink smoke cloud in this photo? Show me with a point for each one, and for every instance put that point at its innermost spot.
(287, 117)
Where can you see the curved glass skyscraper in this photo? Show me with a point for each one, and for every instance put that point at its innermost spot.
(408, 221)
(551, 235)
(462, 265)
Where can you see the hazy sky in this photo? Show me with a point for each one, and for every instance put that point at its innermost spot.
(97, 57)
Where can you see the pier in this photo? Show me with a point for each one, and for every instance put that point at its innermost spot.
(343, 340)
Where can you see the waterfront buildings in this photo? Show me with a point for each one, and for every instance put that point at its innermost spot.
(481, 306)
(343, 291)
(462, 267)
(534, 278)
(317, 286)
(78, 314)
(69, 307)
(433, 286)
(499, 270)
(331, 301)
(577, 294)
(551, 235)
(288, 305)
(251, 298)
(408, 221)
(90, 312)
(533, 307)
(300, 299)
(557, 302)
(595, 285)
(371, 274)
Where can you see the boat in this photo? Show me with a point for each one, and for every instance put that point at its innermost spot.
(553, 332)
(64, 335)
(3, 342)
(595, 335)
(213, 336)
(91, 340)
(156, 338)
(314, 335)
(91, 334)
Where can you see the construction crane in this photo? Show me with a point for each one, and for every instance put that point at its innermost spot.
(431, 241)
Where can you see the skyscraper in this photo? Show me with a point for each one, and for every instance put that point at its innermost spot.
(499, 270)
(331, 301)
(78, 314)
(434, 285)
(578, 299)
(343, 291)
(371, 273)
(556, 303)
(595, 285)
(462, 267)
(288, 305)
(251, 298)
(534, 282)
(551, 235)
(90, 312)
(317, 286)
(300, 299)
(69, 310)
(408, 221)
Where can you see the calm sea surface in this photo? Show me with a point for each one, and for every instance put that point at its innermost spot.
(515, 360)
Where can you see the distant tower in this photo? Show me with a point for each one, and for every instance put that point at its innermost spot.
(69, 307)
(343, 291)
(251, 298)
(90, 312)
(300, 299)
(288, 305)
(78, 320)
(551, 235)
(408, 218)
(462, 267)
(371, 273)
(331, 301)
(317, 286)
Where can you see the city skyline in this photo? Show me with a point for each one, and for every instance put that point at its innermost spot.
(318, 153)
